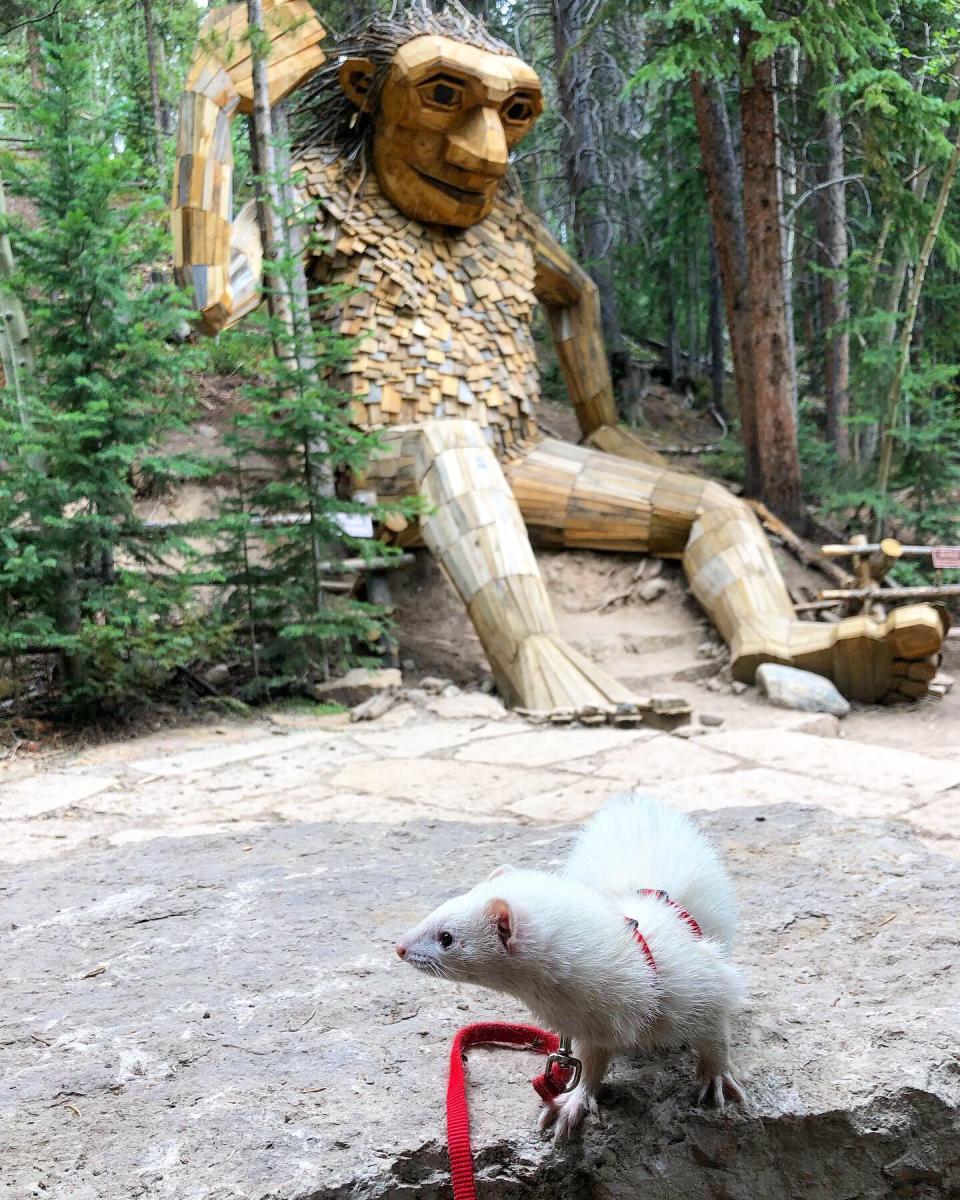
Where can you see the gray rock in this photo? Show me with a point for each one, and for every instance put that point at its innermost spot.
(710, 719)
(788, 687)
(358, 685)
(652, 590)
(738, 688)
(435, 684)
(253, 1037)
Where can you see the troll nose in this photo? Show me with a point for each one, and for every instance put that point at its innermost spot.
(401, 950)
(478, 143)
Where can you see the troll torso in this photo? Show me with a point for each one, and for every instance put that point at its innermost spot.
(445, 316)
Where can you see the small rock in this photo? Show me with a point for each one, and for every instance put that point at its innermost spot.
(487, 685)
(435, 684)
(706, 649)
(788, 687)
(563, 716)
(465, 706)
(738, 688)
(819, 725)
(375, 706)
(415, 696)
(714, 685)
(710, 719)
(944, 681)
(591, 714)
(451, 690)
(217, 675)
(408, 665)
(357, 685)
(652, 590)
(688, 731)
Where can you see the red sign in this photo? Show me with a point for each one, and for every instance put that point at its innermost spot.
(946, 556)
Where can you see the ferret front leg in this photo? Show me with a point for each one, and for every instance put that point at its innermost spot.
(714, 1072)
(569, 1110)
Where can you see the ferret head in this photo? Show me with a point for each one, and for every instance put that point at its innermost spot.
(474, 938)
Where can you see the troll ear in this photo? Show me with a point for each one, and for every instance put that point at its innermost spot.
(498, 871)
(500, 916)
(356, 77)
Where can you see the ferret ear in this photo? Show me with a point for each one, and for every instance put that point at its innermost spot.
(500, 915)
(498, 871)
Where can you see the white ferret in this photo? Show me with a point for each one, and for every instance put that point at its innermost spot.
(626, 947)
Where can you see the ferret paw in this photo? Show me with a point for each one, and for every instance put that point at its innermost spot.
(718, 1090)
(566, 1113)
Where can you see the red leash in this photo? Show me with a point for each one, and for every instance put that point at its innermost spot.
(549, 1086)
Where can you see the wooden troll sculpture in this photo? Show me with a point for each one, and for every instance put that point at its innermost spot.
(412, 120)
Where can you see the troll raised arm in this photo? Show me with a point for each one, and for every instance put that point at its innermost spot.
(404, 136)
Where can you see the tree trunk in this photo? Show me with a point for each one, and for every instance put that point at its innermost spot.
(729, 238)
(776, 431)
(269, 197)
(787, 175)
(154, 71)
(580, 154)
(909, 321)
(833, 205)
(715, 331)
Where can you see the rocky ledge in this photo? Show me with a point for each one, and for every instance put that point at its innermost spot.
(222, 1018)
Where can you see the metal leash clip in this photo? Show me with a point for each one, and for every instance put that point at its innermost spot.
(564, 1059)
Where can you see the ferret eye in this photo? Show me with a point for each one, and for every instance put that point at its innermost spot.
(446, 940)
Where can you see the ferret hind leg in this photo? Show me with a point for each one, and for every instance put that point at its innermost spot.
(475, 531)
(569, 1110)
(714, 1073)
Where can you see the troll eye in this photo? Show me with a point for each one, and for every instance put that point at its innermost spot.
(518, 109)
(442, 92)
(446, 940)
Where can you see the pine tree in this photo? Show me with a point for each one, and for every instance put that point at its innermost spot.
(80, 574)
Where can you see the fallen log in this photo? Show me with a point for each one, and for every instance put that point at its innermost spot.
(943, 592)
(795, 545)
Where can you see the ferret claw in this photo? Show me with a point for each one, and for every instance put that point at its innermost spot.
(565, 1114)
(718, 1089)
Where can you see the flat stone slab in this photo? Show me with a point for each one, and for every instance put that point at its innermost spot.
(223, 1018)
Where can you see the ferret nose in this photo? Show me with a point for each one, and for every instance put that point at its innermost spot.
(401, 950)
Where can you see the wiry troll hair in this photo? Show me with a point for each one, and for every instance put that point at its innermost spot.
(324, 116)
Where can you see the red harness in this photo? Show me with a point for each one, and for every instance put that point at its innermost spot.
(560, 1076)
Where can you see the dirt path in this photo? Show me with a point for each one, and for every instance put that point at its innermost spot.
(461, 758)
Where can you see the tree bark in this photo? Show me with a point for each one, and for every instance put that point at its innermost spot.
(269, 196)
(776, 431)
(909, 321)
(836, 309)
(154, 72)
(580, 154)
(730, 241)
(787, 175)
(715, 331)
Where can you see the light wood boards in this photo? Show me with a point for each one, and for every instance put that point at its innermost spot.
(220, 259)
(476, 531)
(443, 321)
(572, 304)
(449, 115)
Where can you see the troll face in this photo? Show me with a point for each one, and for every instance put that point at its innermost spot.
(448, 116)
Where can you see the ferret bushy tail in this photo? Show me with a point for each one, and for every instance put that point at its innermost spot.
(636, 842)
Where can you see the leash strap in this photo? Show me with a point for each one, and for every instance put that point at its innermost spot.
(489, 1033)
(553, 1082)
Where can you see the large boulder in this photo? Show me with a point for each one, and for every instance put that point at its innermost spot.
(223, 1018)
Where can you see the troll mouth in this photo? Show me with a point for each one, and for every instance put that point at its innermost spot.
(464, 195)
